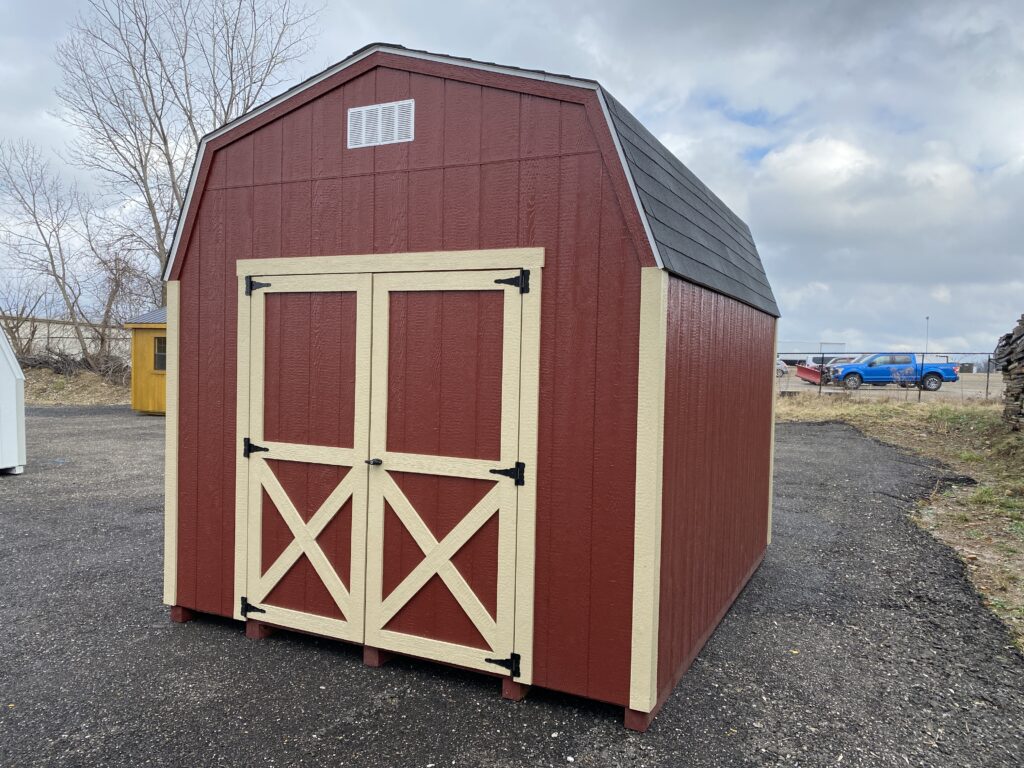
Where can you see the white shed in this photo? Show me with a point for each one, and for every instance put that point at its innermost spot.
(12, 411)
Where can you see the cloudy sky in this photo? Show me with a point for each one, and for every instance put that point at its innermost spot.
(876, 148)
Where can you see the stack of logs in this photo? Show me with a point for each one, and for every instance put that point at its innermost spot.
(1009, 358)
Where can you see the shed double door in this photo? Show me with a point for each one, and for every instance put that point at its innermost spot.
(383, 449)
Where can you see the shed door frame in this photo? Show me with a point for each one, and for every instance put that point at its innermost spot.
(529, 383)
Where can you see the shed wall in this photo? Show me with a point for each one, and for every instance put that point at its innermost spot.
(717, 462)
(494, 164)
(12, 408)
(149, 386)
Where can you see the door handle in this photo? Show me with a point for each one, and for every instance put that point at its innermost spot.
(374, 462)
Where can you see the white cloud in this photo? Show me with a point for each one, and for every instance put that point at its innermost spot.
(875, 148)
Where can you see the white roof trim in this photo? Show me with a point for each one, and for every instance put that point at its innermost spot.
(629, 178)
(424, 56)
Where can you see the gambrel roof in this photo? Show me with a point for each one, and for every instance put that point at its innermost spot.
(690, 231)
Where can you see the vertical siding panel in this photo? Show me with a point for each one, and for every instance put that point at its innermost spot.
(391, 213)
(426, 210)
(392, 85)
(327, 221)
(461, 207)
(296, 218)
(188, 420)
(238, 208)
(575, 321)
(614, 453)
(427, 151)
(329, 138)
(358, 93)
(216, 178)
(538, 226)
(499, 210)
(357, 222)
(210, 532)
(267, 152)
(297, 147)
(540, 126)
(238, 156)
(576, 134)
(461, 122)
(499, 125)
(266, 223)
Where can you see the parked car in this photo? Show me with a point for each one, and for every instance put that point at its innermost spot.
(900, 368)
(781, 369)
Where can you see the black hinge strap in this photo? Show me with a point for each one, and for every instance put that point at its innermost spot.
(248, 607)
(511, 664)
(522, 281)
(253, 285)
(517, 473)
(248, 446)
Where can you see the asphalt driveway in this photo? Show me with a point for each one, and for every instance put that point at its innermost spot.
(858, 642)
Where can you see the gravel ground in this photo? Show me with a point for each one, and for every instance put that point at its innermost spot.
(858, 642)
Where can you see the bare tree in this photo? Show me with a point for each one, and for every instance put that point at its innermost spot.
(144, 80)
(55, 235)
(22, 300)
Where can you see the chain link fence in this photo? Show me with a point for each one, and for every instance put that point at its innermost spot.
(851, 374)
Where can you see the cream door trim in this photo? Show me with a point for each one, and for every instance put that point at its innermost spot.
(425, 261)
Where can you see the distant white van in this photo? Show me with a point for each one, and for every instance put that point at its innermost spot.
(12, 411)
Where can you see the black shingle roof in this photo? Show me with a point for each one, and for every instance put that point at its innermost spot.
(698, 237)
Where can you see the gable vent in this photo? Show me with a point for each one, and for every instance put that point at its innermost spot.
(377, 124)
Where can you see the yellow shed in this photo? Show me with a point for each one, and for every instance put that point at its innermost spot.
(149, 361)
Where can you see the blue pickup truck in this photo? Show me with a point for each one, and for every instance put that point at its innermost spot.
(901, 368)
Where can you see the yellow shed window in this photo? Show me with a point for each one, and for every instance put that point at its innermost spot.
(160, 353)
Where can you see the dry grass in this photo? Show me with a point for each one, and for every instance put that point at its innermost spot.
(44, 387)
(984, 523)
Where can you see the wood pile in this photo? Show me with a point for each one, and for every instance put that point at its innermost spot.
(1009, 358)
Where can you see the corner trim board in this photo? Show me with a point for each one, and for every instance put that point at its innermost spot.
(771, 459)
(650, 432)
(171, 446)
(242, 383)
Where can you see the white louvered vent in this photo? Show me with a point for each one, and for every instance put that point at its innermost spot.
(377, 124)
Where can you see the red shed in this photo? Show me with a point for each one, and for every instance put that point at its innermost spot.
(464, 364)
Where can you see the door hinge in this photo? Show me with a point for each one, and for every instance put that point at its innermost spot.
(522, 281)
(511, 664)
(517, 473)
(248, 446)
(253, 285)
(248, 607)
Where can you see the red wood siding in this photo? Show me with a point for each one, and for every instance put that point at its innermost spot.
(498, 161)
(718, 412)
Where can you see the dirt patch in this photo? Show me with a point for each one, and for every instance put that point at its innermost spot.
(44, 387)
(980, 513)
